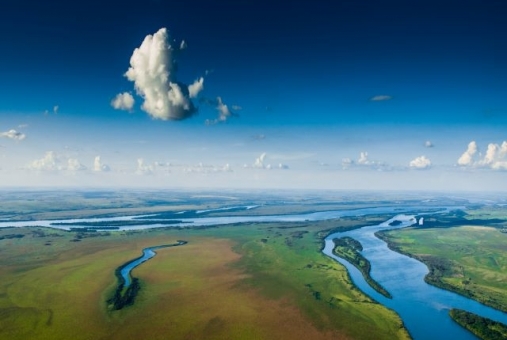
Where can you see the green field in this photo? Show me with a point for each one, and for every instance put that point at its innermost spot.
(470, 260)
(248, 281)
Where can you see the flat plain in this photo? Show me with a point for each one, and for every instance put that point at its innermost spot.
(468, 257)
(245, 281)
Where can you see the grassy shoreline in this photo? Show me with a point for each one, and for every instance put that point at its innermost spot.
(450, 272)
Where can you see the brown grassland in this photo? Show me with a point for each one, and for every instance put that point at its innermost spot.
(254, 281)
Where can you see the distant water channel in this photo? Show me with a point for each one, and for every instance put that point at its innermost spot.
(423, 308)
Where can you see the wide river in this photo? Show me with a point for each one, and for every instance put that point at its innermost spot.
(423, 308)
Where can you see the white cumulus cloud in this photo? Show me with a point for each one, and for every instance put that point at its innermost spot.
(364, 162)
(196, 87)
(74, 165)
(98, 166)
(13, 134)
(420, 162)
(153, 71)
(142, 168)
(259, 162)
(123, 101)
(49, 162)
(55, 162)
(495, 157)
(428, 144)
(363, 158)
(467, 156)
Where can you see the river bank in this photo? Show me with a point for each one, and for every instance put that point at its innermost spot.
(452, 265)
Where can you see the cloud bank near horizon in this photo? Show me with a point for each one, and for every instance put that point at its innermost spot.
(495, 157)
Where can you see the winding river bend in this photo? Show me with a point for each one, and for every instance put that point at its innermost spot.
(148, 253)
(422, 307)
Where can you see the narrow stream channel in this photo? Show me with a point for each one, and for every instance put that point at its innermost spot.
(148, 253)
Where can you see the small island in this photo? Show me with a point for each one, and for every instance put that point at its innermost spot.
(484, 328)
(349, 249)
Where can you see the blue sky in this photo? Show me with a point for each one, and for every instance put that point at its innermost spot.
(335, 95)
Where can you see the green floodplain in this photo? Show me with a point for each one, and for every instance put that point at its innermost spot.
(467, 256)
(245, 281)
(249, 281)
(221, 287)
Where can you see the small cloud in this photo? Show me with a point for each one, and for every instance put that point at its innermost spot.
(428, 144)
(74, 165)
(495, 157)
(49, 162)
(22, 126)
(466, 158)
(123, 101)
(347, 162)
(379, 98)
(54, 110)
(258, 137)
(98, 166)
(363, 159)
(236, 107)
(259, 162)
(195, 88)
(223, 113)
(143, 169)
(183, 45)
(420, 162)
(13, 134)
